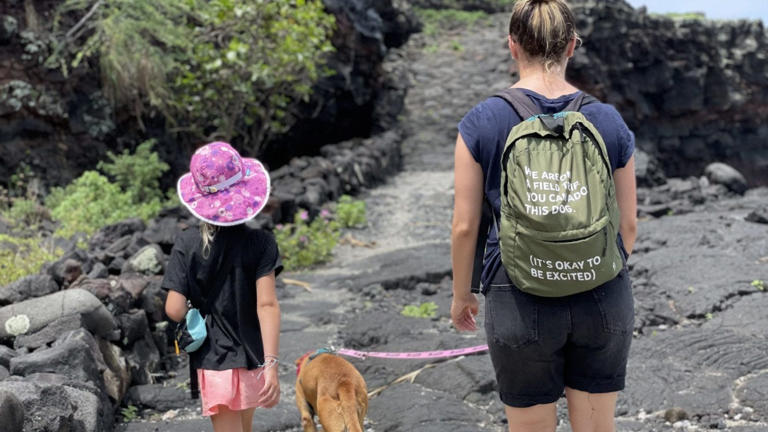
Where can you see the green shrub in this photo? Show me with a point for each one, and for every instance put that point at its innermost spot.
(436, 21)
(214, 68)
(759, 284)
(138, 174)
(25, 213)
(350, 213)
(92, 201)
(424, 310)
(304, 244)
(130, 413)
(21, 257)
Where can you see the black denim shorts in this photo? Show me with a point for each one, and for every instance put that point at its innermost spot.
(539, 345)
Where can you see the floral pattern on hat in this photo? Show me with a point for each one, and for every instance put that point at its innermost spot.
(223, 188)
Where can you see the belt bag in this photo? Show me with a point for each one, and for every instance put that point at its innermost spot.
(191, 332)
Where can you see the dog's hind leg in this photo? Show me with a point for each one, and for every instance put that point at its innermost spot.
(305, 409)
(330, 415)
(351, 408)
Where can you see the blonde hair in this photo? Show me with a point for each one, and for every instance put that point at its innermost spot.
(543, 29)
(207, 232)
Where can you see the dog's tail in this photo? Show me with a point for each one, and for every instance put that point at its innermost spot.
(351, 407)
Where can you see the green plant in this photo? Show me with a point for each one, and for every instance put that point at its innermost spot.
(759, 284)
(21, 257)
(457, 46)
(424, 310)
(436, 21)
(214, 68)
(129, 413)
(304, 244)
(350, 213)
(138, 174)
(91, 201)
(25, 212)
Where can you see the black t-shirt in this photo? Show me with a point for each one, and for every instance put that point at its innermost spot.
(223, 287)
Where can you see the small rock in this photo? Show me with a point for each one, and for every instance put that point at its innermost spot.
(148, 260)
(99, 271)
(157, 396)
(6, 354)
(27, 287)
(726, 175)
(676, 414)
(758, 216)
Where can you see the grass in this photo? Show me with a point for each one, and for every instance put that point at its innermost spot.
(424, 310)
(437, 21)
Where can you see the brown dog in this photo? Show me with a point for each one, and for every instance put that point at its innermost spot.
(331, 387)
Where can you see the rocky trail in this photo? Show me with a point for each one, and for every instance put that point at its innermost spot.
(698, 361)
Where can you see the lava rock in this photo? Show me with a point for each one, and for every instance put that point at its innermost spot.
(111, 233)
(73, 358)
(11, 412)
(758, 216)
(27, 287)
(49, 333)
(148, 260)
(726, 175)
(157, 396)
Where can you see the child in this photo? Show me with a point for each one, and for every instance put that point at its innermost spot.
(228, 270)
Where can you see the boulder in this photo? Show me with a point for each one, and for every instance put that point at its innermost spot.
(152, 300)
(648, 170)
(73, 358)
(157, 396)
(111, 233)
(133, 326)
(68, 268)
(148, 260)
(11, 412)
(4, 372)
(32, 315)
(49, 333)
(53, 411)
(27, 287)
(726, 175)
(143, 359)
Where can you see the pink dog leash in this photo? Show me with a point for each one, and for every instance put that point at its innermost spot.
(414, 354)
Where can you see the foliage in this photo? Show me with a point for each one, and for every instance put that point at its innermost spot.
(303, 243)
(26, 212)
(759, 284)
(139, 173)
(350, 213)
(130, 413)
(215, 68)
(424, 310)
(21, 257)
(436, 21)
(250, 61)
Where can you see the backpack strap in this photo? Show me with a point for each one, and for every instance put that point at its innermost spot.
(580, 101)
(520, 102)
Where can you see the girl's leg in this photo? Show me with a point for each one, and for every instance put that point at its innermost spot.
(591, 412)
(227, 420)
(246, 417)
(538, 418)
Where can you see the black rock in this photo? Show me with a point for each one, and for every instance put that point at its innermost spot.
(11, 412)
(49, 333)
(143, 359)
(163, 232)
(157, 396)
(73, 358)
(53, 411)
(6, 354)
(27, 287)
(111, 233)
(99, 271)
(759, 215)
(118, 246)
(68, 268)
(134, 326)
(648, 171)
(152, 300)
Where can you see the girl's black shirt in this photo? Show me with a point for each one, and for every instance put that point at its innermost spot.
(223, 287)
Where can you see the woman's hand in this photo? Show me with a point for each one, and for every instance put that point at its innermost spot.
(270, 393)
(463, 312)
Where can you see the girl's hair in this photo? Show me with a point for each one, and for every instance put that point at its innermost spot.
(207, 232)
(543, 29)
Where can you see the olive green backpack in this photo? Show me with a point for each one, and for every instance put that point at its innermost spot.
(559, 215)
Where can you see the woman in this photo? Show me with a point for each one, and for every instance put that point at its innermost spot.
(578, 343)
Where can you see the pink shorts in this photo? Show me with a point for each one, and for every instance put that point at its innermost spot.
(237, 389)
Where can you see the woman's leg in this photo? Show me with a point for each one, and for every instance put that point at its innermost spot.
(538, 418)
(591, 412)
(227, 420)
(246, 416)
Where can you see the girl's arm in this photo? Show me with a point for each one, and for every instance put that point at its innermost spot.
(467, 210)
(626, 197)
(176, 306)
(268, 311)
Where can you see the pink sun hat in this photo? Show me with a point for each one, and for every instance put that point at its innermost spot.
(223, 188)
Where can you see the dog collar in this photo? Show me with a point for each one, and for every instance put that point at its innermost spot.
(311, 356)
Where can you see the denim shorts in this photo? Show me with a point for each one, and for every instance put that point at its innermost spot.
(539, 345)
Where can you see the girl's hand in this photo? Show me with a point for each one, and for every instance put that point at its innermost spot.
(463, 311)
(270, 393)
